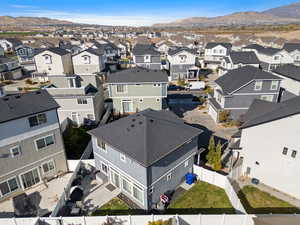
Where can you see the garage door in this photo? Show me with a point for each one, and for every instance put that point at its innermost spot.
(213, 113)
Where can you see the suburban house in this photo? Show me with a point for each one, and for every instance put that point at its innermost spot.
(290, 83)
(270, 58)
(145, 154)
(89, 61)
(214, 54)
(10, 44)
(236, 90)
(31, 148)
(238, 59)
(294, 50)
(110, 50)
(53, 61)
(25, 56)
(181, 63)
(146, 56)
(10, 68)
(271, 131)
(137, 89)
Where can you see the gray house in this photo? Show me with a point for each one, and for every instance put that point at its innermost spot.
(137, 89)
(31, 145)
(145, 154)
(146, 56)
(236, 90)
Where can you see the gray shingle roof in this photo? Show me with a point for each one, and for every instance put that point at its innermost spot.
(211, 45)
(21, 105)
(289, 47)
(94, 51)
(138, 74)
(147, 136)
(254, 46)
(269, 51)
(177, 50)
(289, 70)
(4, 59)
(58, 51)
(234, 79)
(244, 57)
(263, 112)
(143, 49)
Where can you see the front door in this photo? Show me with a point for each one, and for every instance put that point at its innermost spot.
(115, 178)
(30, 178)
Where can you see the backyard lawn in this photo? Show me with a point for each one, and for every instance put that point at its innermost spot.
(257, 201)
(202, 198)
(114, 207)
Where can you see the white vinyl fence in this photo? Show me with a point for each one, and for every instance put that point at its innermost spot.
(223, 182)
(135, 220)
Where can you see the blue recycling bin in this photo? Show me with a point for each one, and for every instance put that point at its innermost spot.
(190, 178)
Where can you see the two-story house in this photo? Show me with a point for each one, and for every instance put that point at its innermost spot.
(181, 63)
(269, 144)
(214, 54)
(238, 59)
(270, 58)
(10, 68)
(145, 154)
(31, 145)
(137, 89)
(53, 61)
(236, 90)
(25, 56)
(290, 84)
(89, 61)
(10, 44)
(146, 56)
(110, 50)
(294, 50)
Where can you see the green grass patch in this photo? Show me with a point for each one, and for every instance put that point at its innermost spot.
(114, 207)
(202, 198)
(256, 201)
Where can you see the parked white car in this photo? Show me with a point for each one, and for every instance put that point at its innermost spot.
(196, 85)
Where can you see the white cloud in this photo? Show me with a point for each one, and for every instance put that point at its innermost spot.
(122, 20)
(21, 6)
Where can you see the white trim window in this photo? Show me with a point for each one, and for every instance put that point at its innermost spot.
(258, 85)
(48, 59)
(15, 151)
(8, 186)
(138, 193)
(104, 168)
(122, 157)
(267, 98)
(101, 145)
(274, 84)
(44, 142)
(81, 101)
(147, 58)
(37, 120)
(86, 59)
(127, 186)
(294, 153)
(186, 163)
(121, 88)
(169, 176)
(48, 166)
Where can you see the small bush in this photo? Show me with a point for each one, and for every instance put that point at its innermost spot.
(29, 81)
(161, 222)
(224, 116)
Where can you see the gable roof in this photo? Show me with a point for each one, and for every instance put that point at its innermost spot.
(261, 112)
(289, 70)
(269, 51)
(4, 60)
(138, 74)
(147, 136)
(235, 79)
(20, 105)
(290, 47)
(94, 51)
(244, 57)
(256, 47)
(144, 49)
(177, 50)
(211, 45)
(58, 51)
(15, 42)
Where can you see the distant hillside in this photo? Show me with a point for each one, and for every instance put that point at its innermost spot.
(27, 21)
(281, 15)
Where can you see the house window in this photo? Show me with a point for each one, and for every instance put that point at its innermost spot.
(72, 82)
(8, 186)
(121, 88)
(44, 142)
(90, 116)
(186, 163)
(138, 193)
(258, 85)
(294, 153)
(169, 176)
(48, 59)
(101, 144)
(147, 58)
(127, 186)
(182, 58)
(37, 119)
(87, 59)
(122, 157)
(267, 98)
(127, 106)
(274, 85)
(276, 57)
(104, 168)
(285, 151)
(81, 101)
(15, 151)
(48, 166)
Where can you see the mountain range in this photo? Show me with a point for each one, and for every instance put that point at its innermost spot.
(30, 21)
(288, 14)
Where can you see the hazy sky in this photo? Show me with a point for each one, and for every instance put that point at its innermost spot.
(131, 12)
